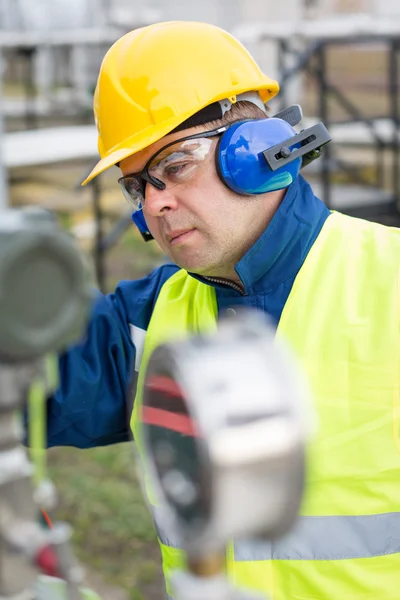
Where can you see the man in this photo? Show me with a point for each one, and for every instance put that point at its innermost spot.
(180, 108)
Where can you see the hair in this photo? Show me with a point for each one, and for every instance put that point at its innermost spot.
(238, 111)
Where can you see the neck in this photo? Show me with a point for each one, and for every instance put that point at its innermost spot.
(276, 257)
(227, 274)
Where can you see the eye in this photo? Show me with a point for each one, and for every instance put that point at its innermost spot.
(179, 171)
(174, 169)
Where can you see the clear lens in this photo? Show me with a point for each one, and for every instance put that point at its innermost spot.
(132, 188)
(171, 166)
(179, 161)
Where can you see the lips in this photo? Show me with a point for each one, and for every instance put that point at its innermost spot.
(176, 233)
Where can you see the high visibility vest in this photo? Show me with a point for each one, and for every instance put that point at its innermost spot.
(342, 319)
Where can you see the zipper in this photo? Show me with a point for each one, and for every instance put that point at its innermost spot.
(227, 283)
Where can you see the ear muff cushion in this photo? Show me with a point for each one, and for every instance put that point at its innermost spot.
(241, 164)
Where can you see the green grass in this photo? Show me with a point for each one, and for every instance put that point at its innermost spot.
(131, 258)
(113, 532)
(99, 492)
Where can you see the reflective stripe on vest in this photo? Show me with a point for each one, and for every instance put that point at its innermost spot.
(320, 538)
(342, 319)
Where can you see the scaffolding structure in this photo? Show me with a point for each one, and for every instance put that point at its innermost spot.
(304, 49)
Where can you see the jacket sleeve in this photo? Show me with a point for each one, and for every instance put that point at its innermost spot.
(93, 404)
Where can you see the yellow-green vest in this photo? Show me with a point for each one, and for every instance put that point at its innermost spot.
(342, 319)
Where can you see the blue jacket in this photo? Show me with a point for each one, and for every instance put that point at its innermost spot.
(93, 404)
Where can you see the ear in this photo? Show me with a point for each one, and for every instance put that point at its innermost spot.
(240, 161)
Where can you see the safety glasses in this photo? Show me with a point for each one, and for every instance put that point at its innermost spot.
(174, 163)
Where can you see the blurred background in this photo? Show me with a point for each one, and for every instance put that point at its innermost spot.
(338, 59)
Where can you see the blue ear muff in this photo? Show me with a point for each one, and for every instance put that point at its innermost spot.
(241, 163)
(140, 222)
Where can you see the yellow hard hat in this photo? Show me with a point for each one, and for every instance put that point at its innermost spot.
(154, 78)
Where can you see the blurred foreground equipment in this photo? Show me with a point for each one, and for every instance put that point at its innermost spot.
(44, 302)
(225, 422)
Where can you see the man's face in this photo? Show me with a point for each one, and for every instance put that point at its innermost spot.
(200, 224)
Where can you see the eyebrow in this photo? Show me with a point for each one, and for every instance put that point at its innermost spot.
(147, 163)
(163, 155)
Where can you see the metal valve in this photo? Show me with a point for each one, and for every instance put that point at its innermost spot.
(225, 423)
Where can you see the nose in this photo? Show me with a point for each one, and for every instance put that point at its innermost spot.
(158, 202)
